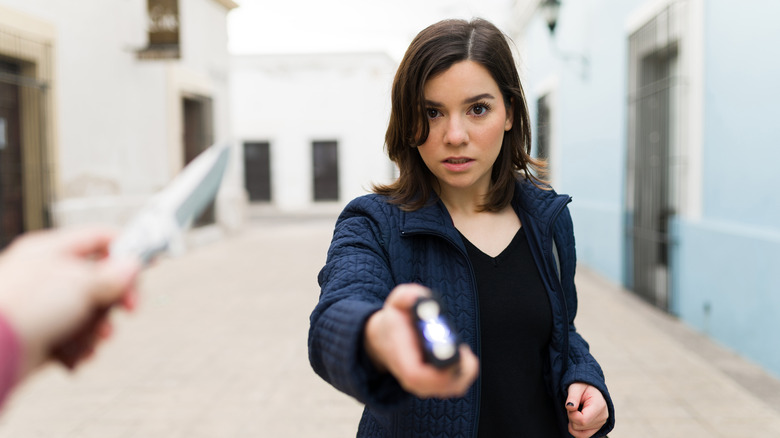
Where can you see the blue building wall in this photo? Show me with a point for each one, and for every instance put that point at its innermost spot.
(727, 265)
(725, 262)
(590, 120)
(742, 112)
(727, 286)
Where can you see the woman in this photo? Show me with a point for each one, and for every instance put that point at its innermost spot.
(467, 218)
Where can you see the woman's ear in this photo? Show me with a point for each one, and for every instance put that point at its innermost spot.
(510, 115)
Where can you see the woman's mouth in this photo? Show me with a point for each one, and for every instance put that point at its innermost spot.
(457, 164)
(457, 160)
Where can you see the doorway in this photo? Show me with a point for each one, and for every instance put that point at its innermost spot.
(11, 178)
(652, 180)
(544, 131)
(198, 135)
(257, 170)
(655, 155)
(325, 157)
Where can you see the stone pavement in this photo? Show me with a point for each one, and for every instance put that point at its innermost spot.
(218, 349)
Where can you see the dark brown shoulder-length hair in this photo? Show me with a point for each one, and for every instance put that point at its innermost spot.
(432, 52)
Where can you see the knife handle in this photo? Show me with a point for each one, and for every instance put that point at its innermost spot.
(69, 351)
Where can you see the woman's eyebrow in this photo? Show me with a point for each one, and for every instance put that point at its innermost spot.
(468, 100)
(479, 97)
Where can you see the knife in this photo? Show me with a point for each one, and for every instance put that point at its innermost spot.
(159, 225)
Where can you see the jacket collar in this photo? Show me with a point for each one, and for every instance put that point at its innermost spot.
(539, 205)
(530, 203)
(433, 218)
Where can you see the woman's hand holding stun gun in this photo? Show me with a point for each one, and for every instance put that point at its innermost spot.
(410, 339)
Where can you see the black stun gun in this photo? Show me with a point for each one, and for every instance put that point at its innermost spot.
(438, 340)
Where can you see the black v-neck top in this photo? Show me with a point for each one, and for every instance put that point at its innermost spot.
(515, 328)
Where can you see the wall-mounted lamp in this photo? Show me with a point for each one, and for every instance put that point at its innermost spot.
(549, 10)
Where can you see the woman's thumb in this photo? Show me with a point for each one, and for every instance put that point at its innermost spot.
(574, 398)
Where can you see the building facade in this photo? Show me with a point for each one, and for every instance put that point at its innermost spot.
(311, 127)
(102, 104)
(658, 118)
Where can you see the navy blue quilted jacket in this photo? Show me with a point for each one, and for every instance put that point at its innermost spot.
(377, 246)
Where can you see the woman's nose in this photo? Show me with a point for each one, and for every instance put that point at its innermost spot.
(456, 133)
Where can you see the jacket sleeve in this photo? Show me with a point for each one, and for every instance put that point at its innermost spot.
(354, 283)
(582, 366)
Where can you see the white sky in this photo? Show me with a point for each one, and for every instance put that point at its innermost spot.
(306, 26)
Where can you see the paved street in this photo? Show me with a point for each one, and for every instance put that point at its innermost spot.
(218, 349)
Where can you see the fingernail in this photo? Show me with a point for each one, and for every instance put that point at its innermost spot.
(569, 404)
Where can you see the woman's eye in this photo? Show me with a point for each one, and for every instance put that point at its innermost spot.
(479, 110)
(432, 113)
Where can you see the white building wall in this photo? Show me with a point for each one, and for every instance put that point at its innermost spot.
(119, 127)
(293, 100)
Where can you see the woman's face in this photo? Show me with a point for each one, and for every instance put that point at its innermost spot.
(467, 118)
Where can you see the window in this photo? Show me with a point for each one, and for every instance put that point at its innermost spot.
(163, 28)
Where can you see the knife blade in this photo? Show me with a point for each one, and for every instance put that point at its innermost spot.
(161, 221)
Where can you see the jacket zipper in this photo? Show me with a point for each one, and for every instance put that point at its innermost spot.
(472, 277)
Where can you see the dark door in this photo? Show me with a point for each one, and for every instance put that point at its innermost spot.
(197, 137)
(11, 190)
(257, 171)
(326, 170)
(653, 206)
(544, 131)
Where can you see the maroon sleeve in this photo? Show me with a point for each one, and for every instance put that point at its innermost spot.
(9, 358)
